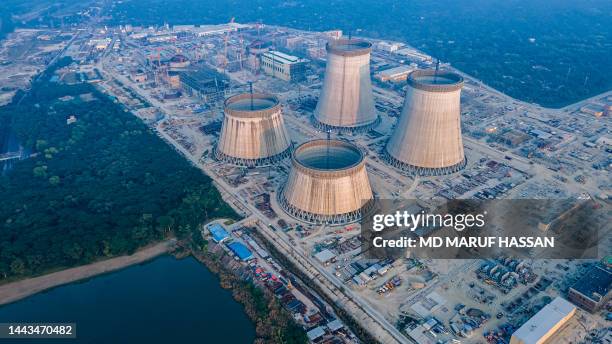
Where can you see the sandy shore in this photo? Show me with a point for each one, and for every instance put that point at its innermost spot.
(18, 290)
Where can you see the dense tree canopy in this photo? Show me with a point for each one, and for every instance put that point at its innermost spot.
(102, 186)
(550, 52)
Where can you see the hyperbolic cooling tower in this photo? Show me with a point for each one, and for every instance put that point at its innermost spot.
(253, 132)
(427, 139)
(328, 183)
(346, 101)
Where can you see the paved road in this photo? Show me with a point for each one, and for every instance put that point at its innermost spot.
(330, 282)
(284, 245)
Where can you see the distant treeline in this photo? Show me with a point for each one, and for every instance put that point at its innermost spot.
(102, 186)
(550, 52)
(41, 13)
(6, 23)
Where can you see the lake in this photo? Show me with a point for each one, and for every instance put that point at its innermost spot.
(162, 301)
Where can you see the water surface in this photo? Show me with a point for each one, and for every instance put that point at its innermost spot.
(163, 301)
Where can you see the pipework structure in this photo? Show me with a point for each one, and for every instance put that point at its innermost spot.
(253, 131)
(327, 184)
(427, 138)
(346, 103)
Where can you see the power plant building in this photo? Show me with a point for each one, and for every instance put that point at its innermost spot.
(253, 131)
(178, 62)
(346, 102)
(591, 291)
(283, 66)
(545, 323)
(139, 76)
(204, 84)
(328, 183)
(396, 74)
(427, 138)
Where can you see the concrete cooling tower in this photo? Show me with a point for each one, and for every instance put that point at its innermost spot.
(328, 183)
(427, 139)
(346, 102)
(253, 131)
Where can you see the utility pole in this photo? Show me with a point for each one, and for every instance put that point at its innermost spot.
(328, 144)
(251, 91)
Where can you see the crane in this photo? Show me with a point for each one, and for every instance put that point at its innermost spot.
(156, 68)
(225, 59)
(241, 53)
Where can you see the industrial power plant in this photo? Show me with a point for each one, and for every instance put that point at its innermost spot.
(346, 102)
(427, 138)
(328, 183)
(312, 154)
(253, 132)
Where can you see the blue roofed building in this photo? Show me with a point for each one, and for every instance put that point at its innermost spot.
(592, 291)
(219, 234)
(240, 250)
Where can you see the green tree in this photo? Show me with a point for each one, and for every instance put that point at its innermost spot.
(18, 267)
(40, 145)
(40, 171)
(118, 192)
(165, 223)
(54, 180)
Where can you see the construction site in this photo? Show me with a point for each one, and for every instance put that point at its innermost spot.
(300, 139)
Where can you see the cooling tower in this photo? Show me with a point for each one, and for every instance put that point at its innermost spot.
(346, 102)
(328, 183)
(427, 139)
(253, 131)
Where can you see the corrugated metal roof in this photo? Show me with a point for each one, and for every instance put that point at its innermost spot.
(335, 325)
(218, 232)
(396, 70)
(240, 250)
(544, 321)
(595, 282)
(325, 256)
(315, 333)
(282, 57)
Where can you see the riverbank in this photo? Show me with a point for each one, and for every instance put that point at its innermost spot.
(273, 324)
(15, 291)
(364, 335)
(164, 300)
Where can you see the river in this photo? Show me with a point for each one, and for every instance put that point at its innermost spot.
(162, 301)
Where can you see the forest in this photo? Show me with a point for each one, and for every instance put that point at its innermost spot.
(6, 23)
(102, 186)
(553, 53)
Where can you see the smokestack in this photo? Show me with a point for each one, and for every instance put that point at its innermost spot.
(427, 139)
(346, 103)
